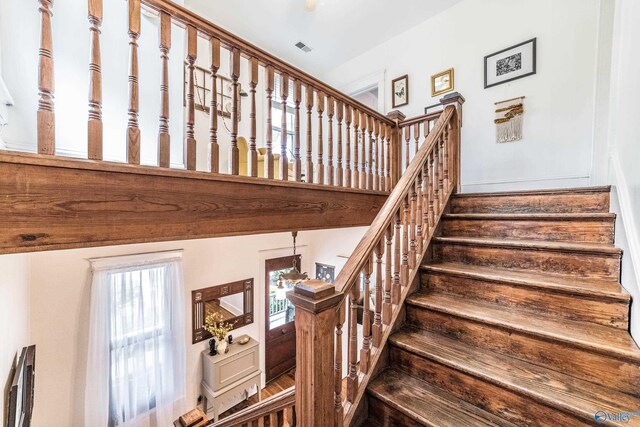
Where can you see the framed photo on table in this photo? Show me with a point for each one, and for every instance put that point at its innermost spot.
(510, 64)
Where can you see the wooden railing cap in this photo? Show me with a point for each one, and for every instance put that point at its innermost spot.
(396, 115)
(452, 98)
(314, 295)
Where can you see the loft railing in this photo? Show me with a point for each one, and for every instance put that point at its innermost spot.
(381, 269)
(351, 142)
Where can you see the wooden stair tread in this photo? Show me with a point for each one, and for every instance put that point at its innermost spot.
(429, 405)
(576, 190)
(593, 248)
(589, 287)
(603, 339)
(554, 389)
(564, 216)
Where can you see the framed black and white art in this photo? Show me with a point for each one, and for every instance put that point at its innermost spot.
(510, 64)
(400, 89)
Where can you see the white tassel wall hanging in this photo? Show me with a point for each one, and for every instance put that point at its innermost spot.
(508, 121)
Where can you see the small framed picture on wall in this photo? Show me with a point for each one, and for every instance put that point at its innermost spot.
(442, 82)
(510, 64)
(400, 89)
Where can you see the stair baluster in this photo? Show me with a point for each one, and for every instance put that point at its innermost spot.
(164, 139)
(133, 129)
(95, 82)
(190, 140)
(254, 77)
(46, 83)
(214, 147)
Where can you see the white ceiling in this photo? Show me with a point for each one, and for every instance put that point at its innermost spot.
(337, 30)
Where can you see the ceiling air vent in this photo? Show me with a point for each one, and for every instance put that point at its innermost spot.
(303, 47)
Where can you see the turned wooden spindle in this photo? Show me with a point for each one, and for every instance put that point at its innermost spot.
(252, 158)
(413, 199)
(365, 351)
(433, 177)
(377, 314)
(407, 146)
(371, 166)
(319, 149)
(396, 287)
(268, 157)
(426, 188)
(387, 177)
(386, 301)
(445, 155)
(190, 138)
(374, 158)
(339, 409)
(234, 152)
(95, 82)
(309, 105)
(439, 144)
(416, 137)
(419, 216)
(339, 167)
(436, 174)
(427, 128)
(330, 168)
(381, 160)
(364, 122)
(297, 161)
(46, 120)
(347, 120)
(214, 146)
(164, 139)
(355, 178)
(379, 154)
(406, 223)
(133, 128)
(284, 158)
(352, 344)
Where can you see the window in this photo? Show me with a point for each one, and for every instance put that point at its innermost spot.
(276, 114)
(137, 341)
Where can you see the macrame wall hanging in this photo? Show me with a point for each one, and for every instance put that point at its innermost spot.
(509, 119)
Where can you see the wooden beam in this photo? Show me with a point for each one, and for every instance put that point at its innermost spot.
(52, 203)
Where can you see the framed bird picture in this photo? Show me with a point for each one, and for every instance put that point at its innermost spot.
(400, 89)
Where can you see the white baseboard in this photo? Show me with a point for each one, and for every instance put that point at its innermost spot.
(522, 184)
(628, 238)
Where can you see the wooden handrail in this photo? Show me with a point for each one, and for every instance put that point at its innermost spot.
(278, 405)
(352, 268)
(249, 50)
(400, 234)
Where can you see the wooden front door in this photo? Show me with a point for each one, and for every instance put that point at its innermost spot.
(280, 346)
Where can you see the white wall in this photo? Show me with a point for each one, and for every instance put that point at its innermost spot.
(61, 291)
(14, 318)
(559, 106)
(624, 146)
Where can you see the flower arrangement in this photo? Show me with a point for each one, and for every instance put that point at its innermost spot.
(214, 324)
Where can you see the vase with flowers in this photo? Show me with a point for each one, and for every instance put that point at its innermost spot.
(219, 329)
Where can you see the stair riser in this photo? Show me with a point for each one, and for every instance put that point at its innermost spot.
(534, 203)
(576, 264)
(583, 231)
(381, 414)
(560, 356)
(548, 302)
(490, 397)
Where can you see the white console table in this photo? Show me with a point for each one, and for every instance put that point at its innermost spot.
(228, 379)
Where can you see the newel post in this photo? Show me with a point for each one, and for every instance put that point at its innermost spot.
(396, 147)
(316, 305)
(455, 99)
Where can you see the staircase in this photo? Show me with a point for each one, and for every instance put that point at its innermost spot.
(520, 319)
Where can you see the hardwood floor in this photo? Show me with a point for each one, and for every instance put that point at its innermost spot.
(520, 319)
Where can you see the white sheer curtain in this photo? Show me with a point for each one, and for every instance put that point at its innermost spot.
(136, 360)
